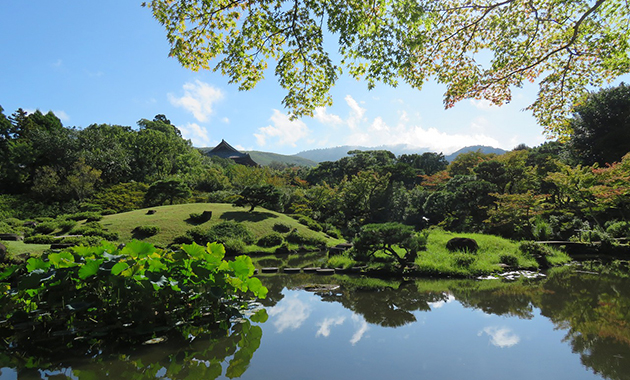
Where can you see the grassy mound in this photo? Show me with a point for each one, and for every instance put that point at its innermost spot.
(173, 221)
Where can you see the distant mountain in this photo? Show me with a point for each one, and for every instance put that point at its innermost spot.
(310, 158)
(336, 153)
(482, 148)
(266, 158)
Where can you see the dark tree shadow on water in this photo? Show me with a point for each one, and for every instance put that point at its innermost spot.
(245, 216)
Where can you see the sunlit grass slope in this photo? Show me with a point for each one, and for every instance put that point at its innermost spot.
(493, 251)
(174, 221)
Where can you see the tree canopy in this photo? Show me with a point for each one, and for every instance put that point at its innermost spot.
(477, 49)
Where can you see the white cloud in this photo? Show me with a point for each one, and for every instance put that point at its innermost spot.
(327, 323)
(225, 120)
(289, 313)
(362, 328)
(197, 134)
(439, 304)
(483, 104)
(285, 130)
(357, 113)
(321, 114)
(199, 99)
(501, 336)
(380, 133)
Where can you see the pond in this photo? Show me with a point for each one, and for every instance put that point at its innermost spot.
(572, 324)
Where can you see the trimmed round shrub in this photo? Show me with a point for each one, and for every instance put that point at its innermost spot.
(232, 230)
(234, 246)
(90, 216)
(297, 238)
(40, 239)
(5, 228)
(534, 249)
(46, 227)
(281, 227)
(146, 230)
(508, 259)
(66, 225)
(183, 239)
(464, 260)
(310, 223)
(270, 240)
(84, 240)
(332, 231)
(13, 222)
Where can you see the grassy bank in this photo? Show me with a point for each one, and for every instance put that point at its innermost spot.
(495, 255)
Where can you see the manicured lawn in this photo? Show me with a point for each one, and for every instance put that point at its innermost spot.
(174, 221)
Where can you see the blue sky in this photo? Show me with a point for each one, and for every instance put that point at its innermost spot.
(107, 62)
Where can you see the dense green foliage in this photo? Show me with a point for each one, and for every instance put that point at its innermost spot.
(129, 293)
(566, 46)
(600, 127)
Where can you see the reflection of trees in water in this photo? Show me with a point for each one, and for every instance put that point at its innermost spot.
(386, 306)
(596, 311)
(512, 299)
(201, 357)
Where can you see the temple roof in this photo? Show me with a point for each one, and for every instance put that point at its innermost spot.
(225, 150)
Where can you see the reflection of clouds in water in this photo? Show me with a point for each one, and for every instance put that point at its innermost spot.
(501, 336)
(362, 329)
(290, 312)
(327, 323)
(439, 304)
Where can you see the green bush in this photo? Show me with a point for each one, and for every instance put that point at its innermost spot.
(234, 246)
(146, 231)
(542, 230)
(221, 232)
(619, 229)
(534, 249)
(332, 231)
(297, 238)
(40, 239)
(95, 229)
(46, 227)
(222, 196)
(183, 239)
(121, 197)
(6, 228)
(281, 227)
(463, 260)
(13, 222)
(310, 223)
(270, 240)
(66, 225)
(198, 217)
(508, 259)
(90, 216)
(232, 230)
(83, 240)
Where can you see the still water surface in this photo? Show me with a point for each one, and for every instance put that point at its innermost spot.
(571, 325)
